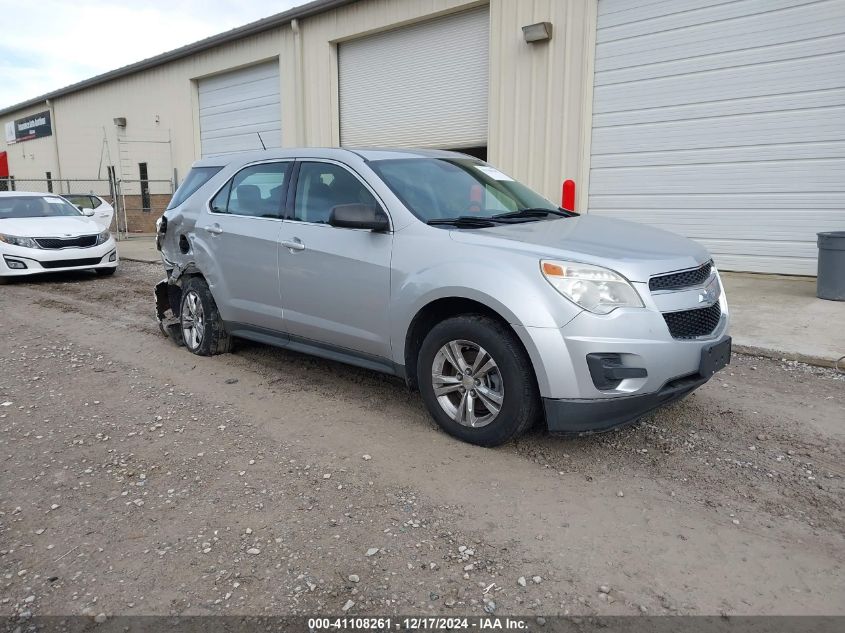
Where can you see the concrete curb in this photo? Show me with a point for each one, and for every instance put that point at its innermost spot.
(775, 354)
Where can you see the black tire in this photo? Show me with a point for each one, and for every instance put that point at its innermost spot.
(213, 338)
(106, 272)
(520, 407)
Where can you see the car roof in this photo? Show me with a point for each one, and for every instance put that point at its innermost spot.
(27, 194)
(336, 153)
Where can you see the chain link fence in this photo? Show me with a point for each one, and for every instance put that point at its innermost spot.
(137, 203)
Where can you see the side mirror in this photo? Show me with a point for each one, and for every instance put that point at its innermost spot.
(86, 212)
(359, 216)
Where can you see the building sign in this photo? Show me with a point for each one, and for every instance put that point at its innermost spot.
(30, 127)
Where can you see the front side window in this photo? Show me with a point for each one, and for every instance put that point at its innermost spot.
(197, 177)
(256, 191)
(323, 186)
(438, 188)
(35, 207)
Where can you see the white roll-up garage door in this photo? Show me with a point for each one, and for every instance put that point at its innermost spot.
(235, 106)
(723, 121)
(423, 85)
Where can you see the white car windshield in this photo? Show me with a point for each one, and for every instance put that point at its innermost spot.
(36, 207)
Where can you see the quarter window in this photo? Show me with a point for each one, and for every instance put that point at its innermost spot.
(257, 191)
(323, 186)
(86, 202)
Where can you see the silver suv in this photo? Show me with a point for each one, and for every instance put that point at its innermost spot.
(499, 306)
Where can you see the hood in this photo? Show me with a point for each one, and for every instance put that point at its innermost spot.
(63, 226)
(637, 251)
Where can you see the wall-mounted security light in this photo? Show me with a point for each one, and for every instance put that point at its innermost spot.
(120, 121)
(540, 32)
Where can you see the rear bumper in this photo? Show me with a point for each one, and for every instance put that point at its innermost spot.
(585, 416)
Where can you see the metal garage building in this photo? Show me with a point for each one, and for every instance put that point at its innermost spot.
(723, 120)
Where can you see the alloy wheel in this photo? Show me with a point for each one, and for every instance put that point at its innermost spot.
(193, 320)
(467, 383)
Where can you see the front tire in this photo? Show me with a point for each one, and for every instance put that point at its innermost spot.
(477, 380)
(199, 320)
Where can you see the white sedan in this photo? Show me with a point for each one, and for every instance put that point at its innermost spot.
(103, 211)
(45, 233)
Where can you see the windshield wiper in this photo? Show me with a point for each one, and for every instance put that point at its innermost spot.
(464, 221)
(535, 213)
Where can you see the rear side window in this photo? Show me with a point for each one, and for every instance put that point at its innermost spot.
(197, 177)
(256, 191)
(86, 202)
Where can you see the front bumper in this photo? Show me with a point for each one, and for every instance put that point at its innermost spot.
(584, 416)
(39, 261)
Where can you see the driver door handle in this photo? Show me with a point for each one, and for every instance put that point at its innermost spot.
(294, 245)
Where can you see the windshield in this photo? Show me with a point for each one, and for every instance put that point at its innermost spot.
(439, 188)
(197, 177)
(36, 207)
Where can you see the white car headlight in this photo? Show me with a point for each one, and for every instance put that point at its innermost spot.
(26, 242)
(594, 288)
(103, 237)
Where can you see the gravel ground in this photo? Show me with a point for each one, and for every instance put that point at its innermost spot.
(139, 479)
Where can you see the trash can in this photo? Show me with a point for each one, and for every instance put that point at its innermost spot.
(831, 280)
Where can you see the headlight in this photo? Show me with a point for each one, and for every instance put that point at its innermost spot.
(26, 242)
(594, 288)
(103, 237)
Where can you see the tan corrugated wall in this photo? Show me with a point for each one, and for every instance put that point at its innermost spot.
(540, 93)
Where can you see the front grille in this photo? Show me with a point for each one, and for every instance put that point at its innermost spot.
(67, 263)
(693, 323)
(85, 241)
(683, 279)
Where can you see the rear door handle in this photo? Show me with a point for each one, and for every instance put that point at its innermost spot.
(214, 229)
(294, 245)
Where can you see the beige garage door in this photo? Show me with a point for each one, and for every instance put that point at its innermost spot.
(237, 106)
(423, 85)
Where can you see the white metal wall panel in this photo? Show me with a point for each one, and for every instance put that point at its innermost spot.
(723, 121)
(235, 106)
(423, 85)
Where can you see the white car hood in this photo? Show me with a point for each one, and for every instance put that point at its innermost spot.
(63, 226)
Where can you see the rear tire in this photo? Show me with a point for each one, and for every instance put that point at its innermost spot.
(477, 380)
(203, 332)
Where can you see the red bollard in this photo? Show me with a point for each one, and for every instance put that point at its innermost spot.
(568, 195)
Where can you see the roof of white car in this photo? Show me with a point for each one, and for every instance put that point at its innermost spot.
(26, 194)
(336, 153)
